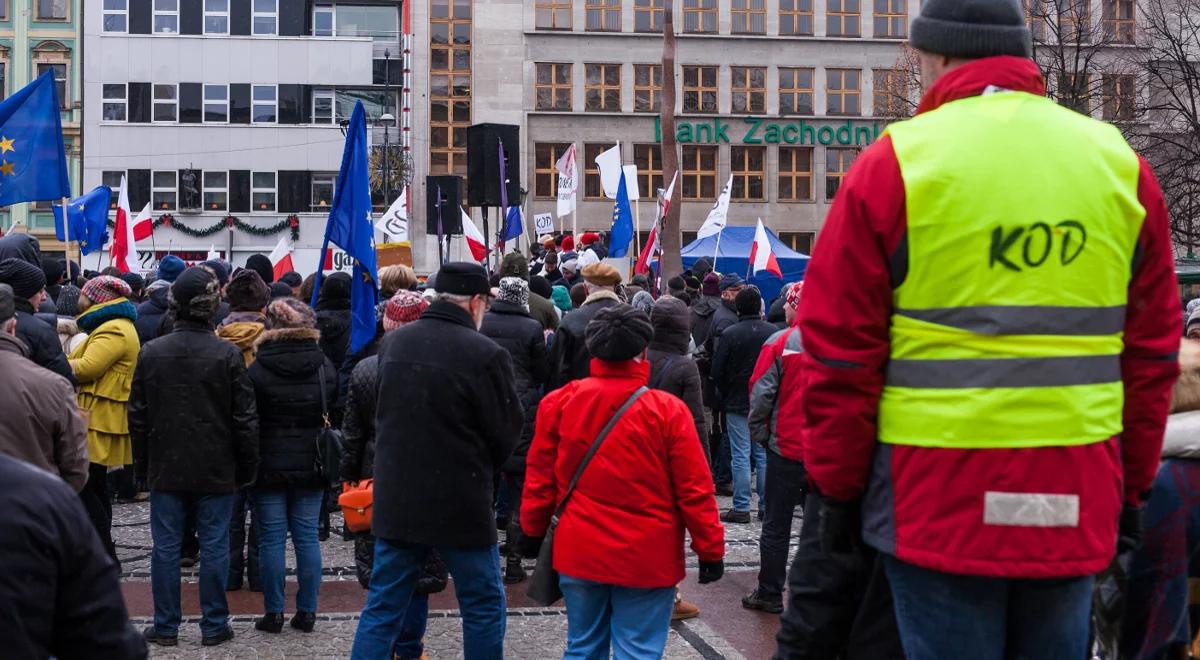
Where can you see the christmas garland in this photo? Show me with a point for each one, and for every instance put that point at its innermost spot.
(292, 222)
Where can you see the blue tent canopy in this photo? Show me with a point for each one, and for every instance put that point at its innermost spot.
(735, 258)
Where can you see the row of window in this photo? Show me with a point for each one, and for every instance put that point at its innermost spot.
(237, 103)
(223, 191)
(699, 178)
(327, 20)
(449, 85)
(264, 16)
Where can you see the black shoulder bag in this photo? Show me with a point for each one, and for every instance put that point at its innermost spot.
(329, 442)
(543, 586)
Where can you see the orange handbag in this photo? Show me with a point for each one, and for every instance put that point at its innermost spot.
(356, 501)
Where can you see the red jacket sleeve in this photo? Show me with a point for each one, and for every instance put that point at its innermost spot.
(540, 494)
(1149, 364)
(692, 483)
(844, 319)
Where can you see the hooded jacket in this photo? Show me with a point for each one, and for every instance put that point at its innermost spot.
(515, 331)
(702, 317)
(671, 369)
(925, 505)
(104, 364)
(287, 391)
(243, 329)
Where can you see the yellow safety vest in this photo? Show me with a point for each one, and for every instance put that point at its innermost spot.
(1007, 331)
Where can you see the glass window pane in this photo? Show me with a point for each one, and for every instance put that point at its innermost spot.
(264, 92)
(215, 179)
(216, 93)
(164, 179)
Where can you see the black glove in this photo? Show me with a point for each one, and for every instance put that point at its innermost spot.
(839, 526)
(711, 571)
(1129, 530)
(529, 546)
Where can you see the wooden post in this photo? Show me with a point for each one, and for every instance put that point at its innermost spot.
(671, 261)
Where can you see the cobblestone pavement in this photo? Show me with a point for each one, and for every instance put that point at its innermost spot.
(724, 630)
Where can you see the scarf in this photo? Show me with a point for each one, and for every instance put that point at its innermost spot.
(120, 308)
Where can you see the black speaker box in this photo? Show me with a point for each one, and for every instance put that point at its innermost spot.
(447, 205)
(483, 163)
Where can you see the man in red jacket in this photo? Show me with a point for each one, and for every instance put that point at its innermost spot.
(989, 327)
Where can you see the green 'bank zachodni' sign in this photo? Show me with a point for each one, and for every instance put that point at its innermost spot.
(757, 130)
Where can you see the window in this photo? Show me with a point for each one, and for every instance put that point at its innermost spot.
(3, 80)
(116, 15)
(800, 241)
(380, 23)
(216, 191)
(842, 91)
(262, 192)
(1119, 99)
(265, 16)
(375, 103)
(749, 89)
(795, 91)
(60, 81)
(602, 88)
(51, 10)
(749, 16)
(749, 169)
(114, 101)
(647, 87)
(166, 16)
(796, 17)
(891, 19)
(1119, 21)
(1074, 17)
(795, 174)
(545, 172)
(450, 85)
(3, 10)
(647, 15)
(698, 171)
(166, 103)
(322, 21)
(216, 16)
(837, 163)
(112, 179)
(842, 18)
(700, 16)
(1037, 14)
(163, 190)
(648, 158)
(592, 188)
(264, 104)
(322, 106)
(216, 104)
(603, 15)
(699, 89)
(322, 190)
(552, 14)
(891, 93)
(552, 87)
(1074, 92)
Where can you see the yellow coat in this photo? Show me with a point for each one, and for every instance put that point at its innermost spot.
(103, 365)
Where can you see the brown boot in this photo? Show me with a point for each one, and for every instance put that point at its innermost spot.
(684, 610)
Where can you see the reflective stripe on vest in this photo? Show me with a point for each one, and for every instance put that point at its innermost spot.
(1023, 220)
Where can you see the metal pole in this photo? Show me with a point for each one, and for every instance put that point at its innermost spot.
(387, 165)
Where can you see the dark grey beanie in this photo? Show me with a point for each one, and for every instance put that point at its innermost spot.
(972, 28)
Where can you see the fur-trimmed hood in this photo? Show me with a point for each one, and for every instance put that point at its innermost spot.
(288, 334)
(1182, 437)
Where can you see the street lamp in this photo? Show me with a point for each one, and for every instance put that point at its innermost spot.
(387, 120)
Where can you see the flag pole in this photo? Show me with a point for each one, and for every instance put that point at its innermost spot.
(717, 252)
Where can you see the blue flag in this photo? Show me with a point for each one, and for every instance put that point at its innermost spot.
(87, 220)
(512, 224)
(33, 163)
(622, 227)
(350, 228)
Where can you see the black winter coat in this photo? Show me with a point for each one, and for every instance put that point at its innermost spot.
(61, 595)
(702, 318)
(42, 340)
(733, 363)
(150, 315)
(569, 356)
(192, 415)
(515, 331)
(358, 423)
(671, 369)
(334, 325)
(287, 392)
(448, 418)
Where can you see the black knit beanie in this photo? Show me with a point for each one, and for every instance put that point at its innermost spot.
(24, 278)
(261, 264)
(972, 28)
(618, 333)
(748, 302)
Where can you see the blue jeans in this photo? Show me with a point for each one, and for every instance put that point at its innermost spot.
(168, 513)
(477, 584)
(963, 616)
(634, 622)
(412, 628)
(741, 447)
(275, 513)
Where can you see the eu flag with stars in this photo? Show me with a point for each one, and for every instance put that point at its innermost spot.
(87, 220)
(622, 227)
(33, 162)
(350, 228)
(512, 224)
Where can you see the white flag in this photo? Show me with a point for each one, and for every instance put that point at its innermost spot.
(568, 182)
(394, 223)
(718, 215)
(631, 182)
(609, 164)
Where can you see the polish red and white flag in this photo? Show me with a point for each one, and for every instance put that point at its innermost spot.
(475, 239)
(761, 256)
(281, 257)
(127, 232)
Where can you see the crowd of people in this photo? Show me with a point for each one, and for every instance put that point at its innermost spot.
(974, 434)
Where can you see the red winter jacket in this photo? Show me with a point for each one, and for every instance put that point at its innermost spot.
(647, 483)
(778, 371)
(925, 505)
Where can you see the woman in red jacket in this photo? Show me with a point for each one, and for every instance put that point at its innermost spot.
(619, 544)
